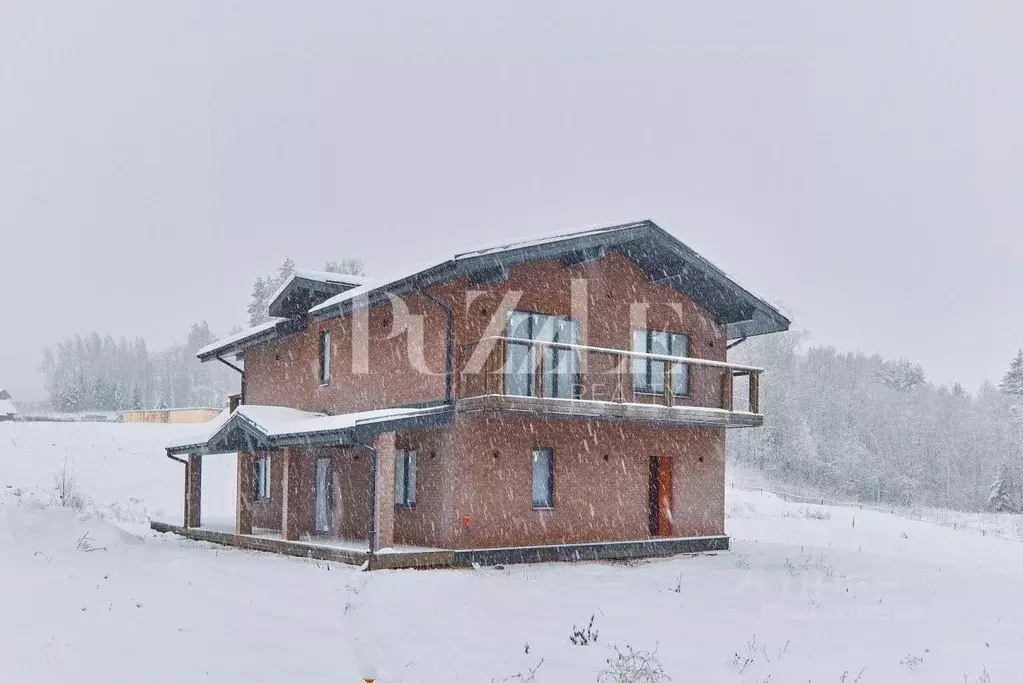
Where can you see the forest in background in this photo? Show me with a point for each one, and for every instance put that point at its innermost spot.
(853, 424)
(876, 430)
(97, 373)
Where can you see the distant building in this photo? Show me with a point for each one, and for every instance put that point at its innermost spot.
(7, 410)
(171, 416)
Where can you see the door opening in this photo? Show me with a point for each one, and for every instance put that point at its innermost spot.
(660, 496)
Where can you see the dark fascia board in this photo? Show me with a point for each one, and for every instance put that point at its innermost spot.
(466, 266)
(239, 433)
(748, 315)
(360, 433)
(280, 308)
(764, 318)
(282, 329)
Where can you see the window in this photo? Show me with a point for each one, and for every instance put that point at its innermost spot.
(559, 367)
(649, 375)
(325, 357)
(262, 477)
(405, 478)
(543, 478)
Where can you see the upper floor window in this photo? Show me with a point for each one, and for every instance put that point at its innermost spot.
(405, 478)
(261, 472)
(325, 357)
(658, 376)
(536, 369)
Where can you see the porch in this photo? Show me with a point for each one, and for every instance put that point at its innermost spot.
(311, 485)
(410, 557)
(319, 548)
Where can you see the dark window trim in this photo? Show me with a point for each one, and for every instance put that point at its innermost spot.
(646, 389)
(325, 358)
(404, 503)
(577, 384)
(257, 479)
(550, 477)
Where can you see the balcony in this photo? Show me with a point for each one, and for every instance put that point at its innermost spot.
(574, 380)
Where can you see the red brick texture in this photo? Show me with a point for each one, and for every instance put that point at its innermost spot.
(479, 469)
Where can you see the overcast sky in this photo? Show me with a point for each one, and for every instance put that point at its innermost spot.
(859, 164)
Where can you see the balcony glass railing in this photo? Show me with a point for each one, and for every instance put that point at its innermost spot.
(552, 369)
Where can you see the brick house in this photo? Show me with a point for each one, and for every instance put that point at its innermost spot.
(561, 398)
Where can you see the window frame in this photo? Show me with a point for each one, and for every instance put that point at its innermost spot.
(646, 387)
(261, 479)
(550, 357)
(325, 358)
(405, 464)
(548, 503)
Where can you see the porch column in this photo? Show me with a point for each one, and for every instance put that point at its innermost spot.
(243, 496)
(383, 499)
(193, 492)
(291, 504)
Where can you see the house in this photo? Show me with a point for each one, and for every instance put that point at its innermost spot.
(7, 409)
(561, 398)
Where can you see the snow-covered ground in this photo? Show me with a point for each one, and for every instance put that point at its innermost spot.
(808, 593)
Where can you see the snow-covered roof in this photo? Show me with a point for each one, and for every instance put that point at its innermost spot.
(305, 288)
(270, 427)
(323, 277)
(370, 287)
(548, 239)
(264, 331)
(657, 252)
(7, 407)
(234, 340)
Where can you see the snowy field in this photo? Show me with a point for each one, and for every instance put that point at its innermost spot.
(809, 593)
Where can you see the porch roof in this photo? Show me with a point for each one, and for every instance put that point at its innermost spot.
(252, 427)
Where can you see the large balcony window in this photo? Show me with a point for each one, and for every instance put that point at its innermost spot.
(535, 369)
(651, 376)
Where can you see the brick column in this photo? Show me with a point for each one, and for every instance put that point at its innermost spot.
(291, 504)
(193, 492)
(243, 496)
(384, 484)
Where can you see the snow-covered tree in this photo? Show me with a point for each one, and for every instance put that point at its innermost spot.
(259, 302)
(1002, 497)
(1012, 380)
(347, 266)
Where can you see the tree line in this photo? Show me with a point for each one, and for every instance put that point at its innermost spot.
(876, 430)
(100, 373)
(94, 373)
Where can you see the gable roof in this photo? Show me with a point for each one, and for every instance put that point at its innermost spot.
(305, 288)
(660, 255)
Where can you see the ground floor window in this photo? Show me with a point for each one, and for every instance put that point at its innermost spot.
(543, 478)
(262, 472)
(405, 478)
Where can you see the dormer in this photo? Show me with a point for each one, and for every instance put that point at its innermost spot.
(307, 288)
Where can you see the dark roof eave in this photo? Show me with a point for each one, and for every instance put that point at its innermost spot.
(765, 318)
(282, 329)
(348, 436)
